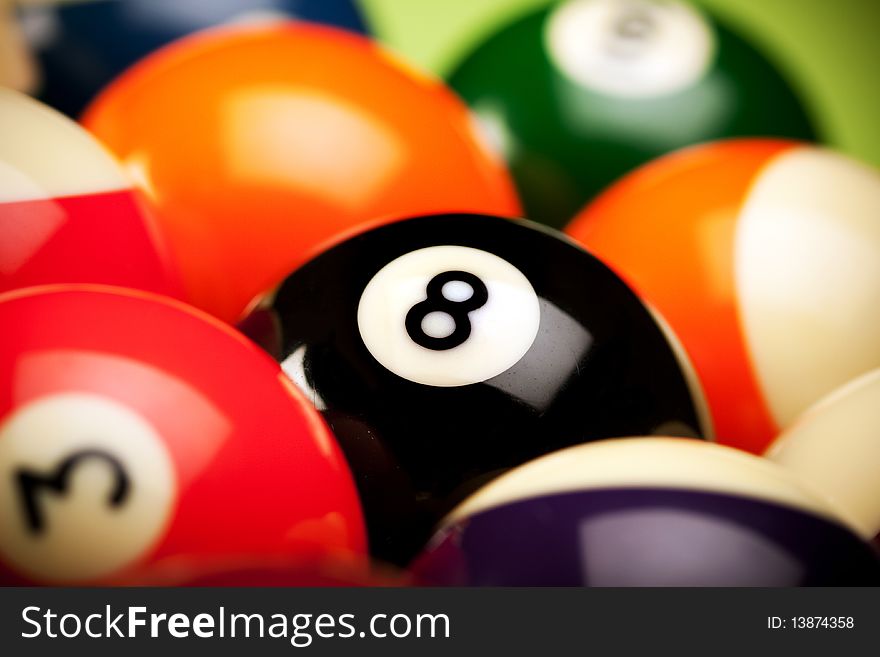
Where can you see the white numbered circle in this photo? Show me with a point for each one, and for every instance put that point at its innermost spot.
(86, 488)
(448, 316)
(631, 48)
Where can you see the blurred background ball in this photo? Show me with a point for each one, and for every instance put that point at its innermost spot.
(258, 145)
(582, 92)
(835, 447)
(81, 45)
(68, 212)
(764, 257)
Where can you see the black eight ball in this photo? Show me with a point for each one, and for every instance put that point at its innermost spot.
(444, 350)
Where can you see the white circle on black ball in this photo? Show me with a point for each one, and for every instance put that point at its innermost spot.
(630, 48)
(87, 487)
(448, 316)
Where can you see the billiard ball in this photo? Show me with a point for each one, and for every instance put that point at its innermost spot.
(647, 512)
(81, 45)
(584, 91)
(445, 349)
(762, 256)
(834, 447)
(68, 214)
(261, 144)
(135, 431)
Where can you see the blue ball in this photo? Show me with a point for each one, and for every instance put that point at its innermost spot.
(82, 46)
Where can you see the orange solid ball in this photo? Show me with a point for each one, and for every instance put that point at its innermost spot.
(260, 144)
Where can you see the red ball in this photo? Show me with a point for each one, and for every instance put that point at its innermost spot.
(68, 213)
(134, 430)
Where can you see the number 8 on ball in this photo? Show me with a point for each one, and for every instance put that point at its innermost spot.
(446, 349)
